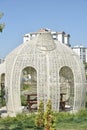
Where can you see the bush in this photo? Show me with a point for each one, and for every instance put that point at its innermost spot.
(49, 117)
(39, 121)
(23, 100)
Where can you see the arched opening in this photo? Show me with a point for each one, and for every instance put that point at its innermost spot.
(66, 80)
(29, 89)
(2, 91)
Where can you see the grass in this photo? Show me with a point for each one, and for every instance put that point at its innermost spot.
(64, 121)
(21, 122)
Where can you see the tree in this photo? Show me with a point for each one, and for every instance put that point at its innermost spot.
(85, 64)
(1, 24)
(49, 117)
(45, 118)
(2, 95)
(39, 121)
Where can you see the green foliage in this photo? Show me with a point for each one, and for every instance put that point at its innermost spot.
(45, 118)
(85, 65)
(49, 117)
(86, 76)
(26, 87)
(82, 113)
(39, 121)
(2, 97)
(1, 14)
(21, 122)
(63, 117)
(64, 121)
(1, 25)
(23, 100)
(86, 100)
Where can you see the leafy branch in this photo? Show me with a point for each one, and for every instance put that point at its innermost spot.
(2, 25)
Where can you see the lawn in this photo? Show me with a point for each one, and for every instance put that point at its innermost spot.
(63, 121)
(66, 121)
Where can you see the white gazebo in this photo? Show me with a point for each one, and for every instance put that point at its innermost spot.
(58, 71)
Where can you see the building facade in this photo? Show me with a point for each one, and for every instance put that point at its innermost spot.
(62, 37)
(81, 51)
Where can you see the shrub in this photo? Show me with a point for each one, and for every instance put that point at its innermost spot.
(49, 117)
(23, 100)
(39, 121)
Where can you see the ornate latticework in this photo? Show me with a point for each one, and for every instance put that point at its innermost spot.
(58, 68)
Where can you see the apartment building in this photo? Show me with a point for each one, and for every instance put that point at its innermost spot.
(81, 51)
(60, 36)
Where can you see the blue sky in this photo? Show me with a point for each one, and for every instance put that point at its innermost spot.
(24, 16)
